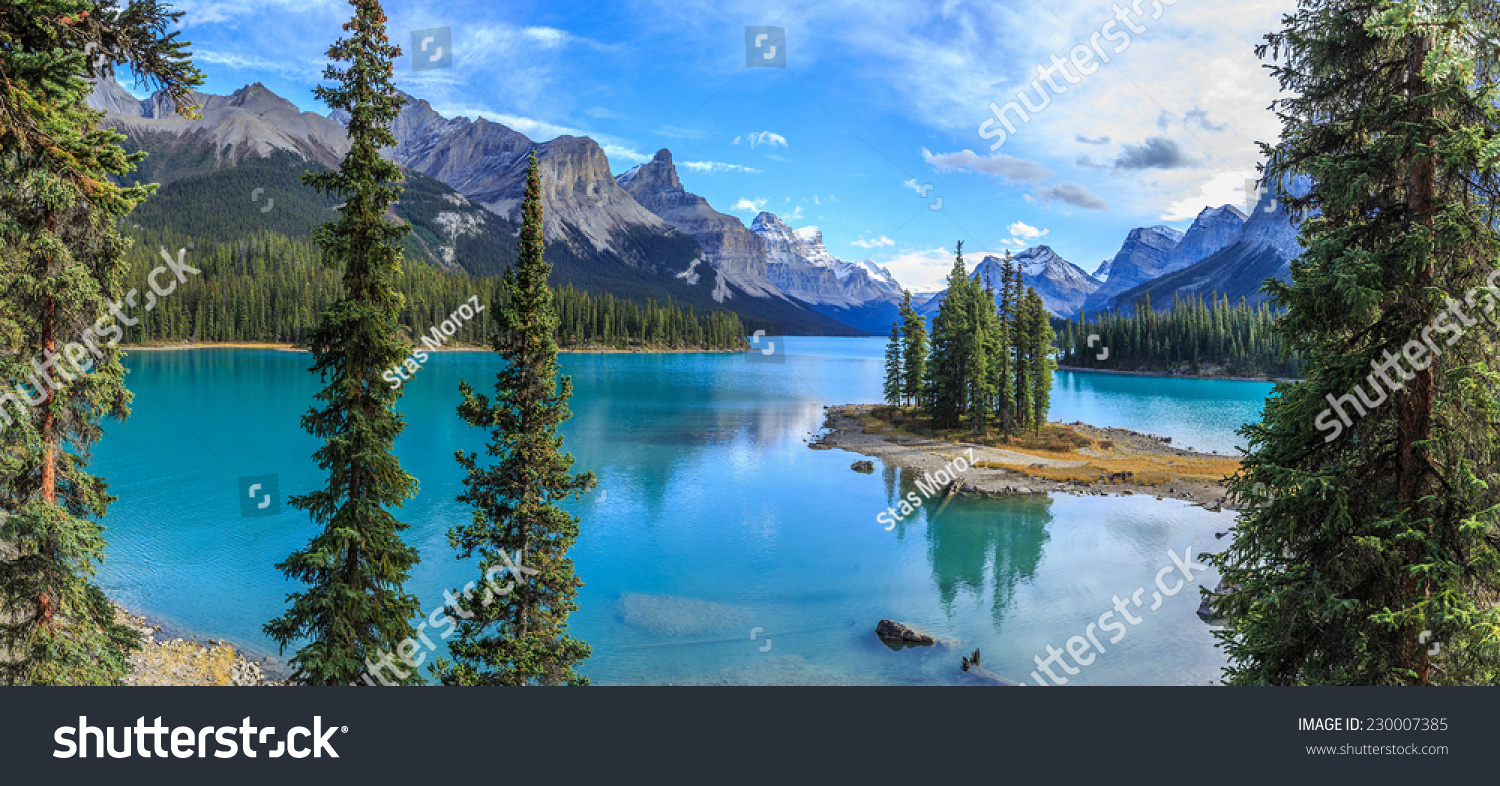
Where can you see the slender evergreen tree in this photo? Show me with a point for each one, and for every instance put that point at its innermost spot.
(1372, 527)
(892, 387)
(980, 335)
(1039, 344)
(518, 634)
(354, 608)
(997, 345)
(913, 351)
(61, 263)
(945, 385)
(1005, 407)
(1020, 346)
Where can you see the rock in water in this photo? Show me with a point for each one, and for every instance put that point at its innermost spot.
(863, 466)
(896, 631)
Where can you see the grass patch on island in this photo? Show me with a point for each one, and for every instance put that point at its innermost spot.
(1060, 442)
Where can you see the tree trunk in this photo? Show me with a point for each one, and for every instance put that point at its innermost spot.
(1414, 478)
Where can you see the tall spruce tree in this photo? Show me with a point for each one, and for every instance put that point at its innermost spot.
(1005, 408)
(892, 387)
(998, 347)
(1020, 350)
(913, 351)
(1372, 533)
(1039, 345)
(981, 333)
(61, 264)
(946, 384)
(354, 608)
(518, 634)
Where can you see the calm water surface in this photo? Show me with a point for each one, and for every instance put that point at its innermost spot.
(718, 547)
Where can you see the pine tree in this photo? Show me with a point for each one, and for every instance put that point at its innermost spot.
(913, 351)
(61, 263)
(517, 635)
(354, 608)
(892, 388)
(1370, 535)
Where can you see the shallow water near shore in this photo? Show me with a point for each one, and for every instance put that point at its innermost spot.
(718, 548)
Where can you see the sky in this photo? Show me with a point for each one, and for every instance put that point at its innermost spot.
(879, 129)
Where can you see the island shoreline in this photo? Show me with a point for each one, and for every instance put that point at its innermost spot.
(1168, 374)
(921, 457)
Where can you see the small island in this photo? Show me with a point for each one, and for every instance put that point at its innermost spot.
(1058, 457)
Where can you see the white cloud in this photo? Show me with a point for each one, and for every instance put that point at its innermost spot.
(749, 205)
(1224, 188)
(1023, 234)
(920, 270)
(755, 139)
(873, 243)
(616, 152)
(711, 167)
(307, 70)
(998, 165)
(794, 215)
(197, 12)
(1022, 230)
(677, 132)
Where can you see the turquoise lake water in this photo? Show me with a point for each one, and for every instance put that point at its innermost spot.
(713, 522)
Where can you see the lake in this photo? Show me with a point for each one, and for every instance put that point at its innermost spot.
(717, 548)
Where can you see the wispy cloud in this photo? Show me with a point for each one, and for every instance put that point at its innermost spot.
(1072, 194)
(617, 152)
(755, 139)
(997, 165)
(712, 167)
(873, 243)
(749, 205)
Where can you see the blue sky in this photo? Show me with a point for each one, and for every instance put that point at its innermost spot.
(876, 119)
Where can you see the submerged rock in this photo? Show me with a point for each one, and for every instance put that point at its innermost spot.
(896, 631)
(669, 615)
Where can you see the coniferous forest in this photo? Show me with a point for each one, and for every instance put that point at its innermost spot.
(268, 287)
(987, 363)
(1191, 337)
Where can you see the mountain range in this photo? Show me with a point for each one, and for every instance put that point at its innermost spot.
(640, 235)
(1223, 253)
(462, 198)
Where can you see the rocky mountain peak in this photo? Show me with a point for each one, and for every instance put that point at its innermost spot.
(810, 235)
(768, 222)
(657, 175)
(109, 96)
(1213, 229)
(250, 122)
(1062, 285)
